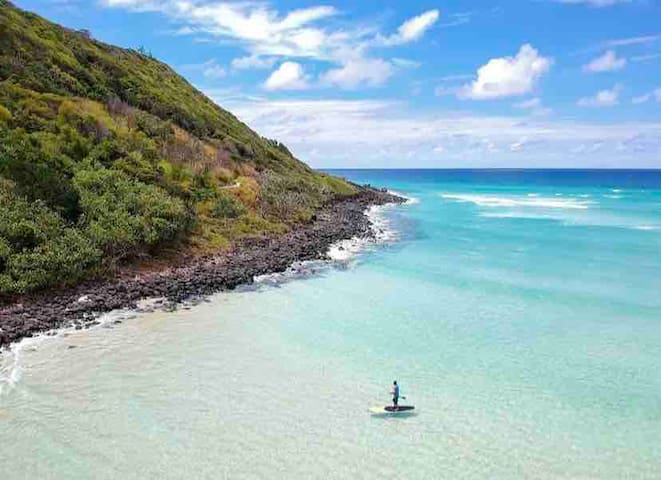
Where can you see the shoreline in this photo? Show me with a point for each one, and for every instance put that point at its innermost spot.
(81, 305)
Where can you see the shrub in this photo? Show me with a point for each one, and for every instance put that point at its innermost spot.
(89, 118)
(289, 199)
(63, 259)
(227, 207)
(37, 249)
(137, 166)
(38, 173)
(121, 214)
(5, 115)
(153, 126)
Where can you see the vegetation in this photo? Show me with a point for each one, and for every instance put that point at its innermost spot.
(107, 154)
(227, 206)
(37, 247)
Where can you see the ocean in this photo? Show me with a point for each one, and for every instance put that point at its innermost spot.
(519, 310)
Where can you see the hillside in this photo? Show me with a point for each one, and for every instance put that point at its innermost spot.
(108, 155)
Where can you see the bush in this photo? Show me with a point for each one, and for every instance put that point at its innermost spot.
(227, 207)
(38, 173)
(37, 249)
(137, 166)
(64, 259)
(290, 199)
(121, 214)
(5, 115)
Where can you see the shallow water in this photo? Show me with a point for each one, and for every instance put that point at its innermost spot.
(521, 314)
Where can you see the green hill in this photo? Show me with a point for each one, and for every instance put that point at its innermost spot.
(108, 155)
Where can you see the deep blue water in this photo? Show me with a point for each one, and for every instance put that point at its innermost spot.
(611, 178)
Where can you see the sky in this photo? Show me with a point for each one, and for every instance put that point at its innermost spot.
(416, 83)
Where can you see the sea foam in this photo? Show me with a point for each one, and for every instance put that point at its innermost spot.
(382, 230)
(484, 200)
(409, 200)
(339, 254)
(12, 358)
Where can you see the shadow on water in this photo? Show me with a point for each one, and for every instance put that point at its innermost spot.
(392, 415)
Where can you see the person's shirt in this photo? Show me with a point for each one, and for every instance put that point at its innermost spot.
(396, 391)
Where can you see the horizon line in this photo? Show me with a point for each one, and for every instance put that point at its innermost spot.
(600, 169)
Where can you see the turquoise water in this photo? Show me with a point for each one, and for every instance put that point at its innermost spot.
(520, 311)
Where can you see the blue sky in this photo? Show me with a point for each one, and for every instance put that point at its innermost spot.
(525, 83)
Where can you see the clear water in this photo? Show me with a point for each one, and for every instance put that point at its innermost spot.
(520, 311)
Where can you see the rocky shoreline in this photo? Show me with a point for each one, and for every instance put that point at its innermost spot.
(81, 305)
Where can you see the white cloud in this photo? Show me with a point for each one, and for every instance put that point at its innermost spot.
(214, 71)
(210, 69)
(405, 63)
(362, 71)
(413, 28)
(518, 145)
(455, 77)
(508, 76)
(373, 133)
(654, 94)
(534, 106)
(263, 31)
(530, 103)
(135, 4)
(450, 84)
(444, 90)
(288, 76)
(642, 99)
(268, 36)
(603, 98)
(183, 31)
(595, 3)
(646, 58)
(457, 19)
(251, 62)
(624, 42)
(608, 62)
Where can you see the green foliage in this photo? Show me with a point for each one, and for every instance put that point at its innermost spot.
(38, 173)
(290, 199)
(5, 115)
(37, 249)
(227, 207)
(337, 185)
(121, 214)
(63, 259)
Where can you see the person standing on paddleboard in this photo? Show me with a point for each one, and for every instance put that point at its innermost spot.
(395, 394)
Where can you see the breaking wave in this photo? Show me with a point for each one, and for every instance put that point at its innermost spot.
(487, 200)
(340, 254)
(12, 357)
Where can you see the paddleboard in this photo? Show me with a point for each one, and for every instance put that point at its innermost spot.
(390, 410)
